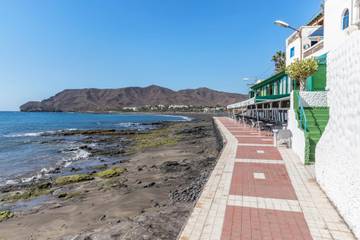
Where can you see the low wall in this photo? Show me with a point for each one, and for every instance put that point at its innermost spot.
(314, 99)
(298, 138)
(338, 151)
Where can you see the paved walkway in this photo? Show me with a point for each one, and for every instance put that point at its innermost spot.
(258, 191)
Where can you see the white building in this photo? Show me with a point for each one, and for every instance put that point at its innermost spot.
(338, 151)
(311, 42)
(307, 42)
(179, 106)
(342, 17)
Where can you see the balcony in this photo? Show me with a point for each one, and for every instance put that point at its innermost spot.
(314, 49)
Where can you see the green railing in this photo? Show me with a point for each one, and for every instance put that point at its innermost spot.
(303, 120)
(303, 123)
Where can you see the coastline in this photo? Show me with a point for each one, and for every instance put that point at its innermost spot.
(155, 186)
(58, 138)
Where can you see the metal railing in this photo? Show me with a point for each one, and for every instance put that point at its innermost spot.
(302, 115)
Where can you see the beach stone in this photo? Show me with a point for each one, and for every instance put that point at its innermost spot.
(149, 185)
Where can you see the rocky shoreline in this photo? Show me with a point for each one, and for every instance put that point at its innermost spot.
(146, 191)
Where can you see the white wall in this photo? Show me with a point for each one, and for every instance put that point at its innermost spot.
(298, 138)
(314, 99)
(296, 45)
(338, 151)
(334, 35)
(305, 32)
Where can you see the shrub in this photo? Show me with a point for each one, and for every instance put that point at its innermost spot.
(5, 215)
(112, 172)
(301, 70)
(73, 179)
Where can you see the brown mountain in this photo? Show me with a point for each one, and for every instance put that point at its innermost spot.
(99, 100)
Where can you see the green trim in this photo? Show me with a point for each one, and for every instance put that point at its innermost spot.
(269, 80)
(272, 97)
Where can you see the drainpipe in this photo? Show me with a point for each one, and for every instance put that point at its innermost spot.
(301, 44)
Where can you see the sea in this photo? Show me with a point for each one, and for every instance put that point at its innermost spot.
(27, 149)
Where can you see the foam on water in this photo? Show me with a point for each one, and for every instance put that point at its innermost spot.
(37, 134)
(30, 146)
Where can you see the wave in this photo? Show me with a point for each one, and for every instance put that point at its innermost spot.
(37, 134)
(186, 119)
(80, 154)
(128, 124)
(33, 134)
(75, 154)
(183, 118)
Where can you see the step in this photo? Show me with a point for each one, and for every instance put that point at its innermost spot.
(314, 129)
(317, 123)
(314, 139)
(314, 124)
(312, 148)
(314, 136)
(316, 114)
(315, 120)
(311, 158)
(317, 109)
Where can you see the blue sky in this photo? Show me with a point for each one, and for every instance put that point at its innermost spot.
(48, 46)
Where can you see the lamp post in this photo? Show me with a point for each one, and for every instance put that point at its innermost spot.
(286, 25)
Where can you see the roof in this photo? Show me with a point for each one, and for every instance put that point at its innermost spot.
(245, 103)
(318, 32)
(269, 80)
(316, 19)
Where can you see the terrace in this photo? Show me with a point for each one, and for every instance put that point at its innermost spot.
(260, 191)
(268, 103)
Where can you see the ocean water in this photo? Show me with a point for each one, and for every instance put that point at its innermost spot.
(24, 136)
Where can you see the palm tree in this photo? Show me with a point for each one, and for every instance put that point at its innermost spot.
(280, 61)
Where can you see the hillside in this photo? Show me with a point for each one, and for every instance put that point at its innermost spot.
(100, 100)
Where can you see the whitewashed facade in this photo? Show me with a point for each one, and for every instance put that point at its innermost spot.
(310, 45)
(337, 163)
(336, 33)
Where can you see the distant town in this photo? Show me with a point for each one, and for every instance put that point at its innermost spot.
(175, 108)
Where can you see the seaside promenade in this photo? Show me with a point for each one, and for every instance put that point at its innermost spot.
(260, 192)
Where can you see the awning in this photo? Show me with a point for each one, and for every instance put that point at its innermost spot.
(242, 104)
(274, 100)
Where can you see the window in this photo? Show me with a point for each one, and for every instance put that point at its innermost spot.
(292, 52)
(345, 19)
(314, 42)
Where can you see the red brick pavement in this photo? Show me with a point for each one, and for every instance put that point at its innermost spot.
(243, 223)
(258, 152)
(276, 185)
(255, 140)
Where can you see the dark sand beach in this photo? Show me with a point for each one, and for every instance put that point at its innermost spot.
(147, 194)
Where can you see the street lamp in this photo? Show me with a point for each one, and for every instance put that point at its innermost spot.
(286, 25)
